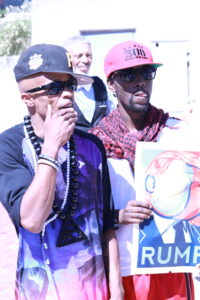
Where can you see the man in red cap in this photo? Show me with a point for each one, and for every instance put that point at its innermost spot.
(130, 71)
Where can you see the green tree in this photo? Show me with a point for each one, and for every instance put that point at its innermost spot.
(15, 29)
(15, 36)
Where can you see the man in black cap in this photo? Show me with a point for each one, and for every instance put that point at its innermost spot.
(54, 184)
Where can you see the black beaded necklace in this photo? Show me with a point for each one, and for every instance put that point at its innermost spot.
(31, 134)
(67, 209)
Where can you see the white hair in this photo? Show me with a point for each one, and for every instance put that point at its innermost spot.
(72, 40)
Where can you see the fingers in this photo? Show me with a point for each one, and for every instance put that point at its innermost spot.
(132, 218)
(138, 209)
(59, 126)
(137, 218)
(48, 113)
(139, 204)
(64, 114)
(67, 113)
(64, 103)
(71, 116)
(135, 212)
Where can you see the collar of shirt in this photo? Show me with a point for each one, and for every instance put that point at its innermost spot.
(85, 99)
(86, 87)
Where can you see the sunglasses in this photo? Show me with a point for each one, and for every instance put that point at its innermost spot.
(56, 87)
(129, 75)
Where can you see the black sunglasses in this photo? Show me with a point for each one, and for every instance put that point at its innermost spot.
(56, 87)
(128, 75)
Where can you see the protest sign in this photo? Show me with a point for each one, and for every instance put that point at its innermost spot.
(169, 179)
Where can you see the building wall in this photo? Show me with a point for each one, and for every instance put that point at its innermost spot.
(12, 108)
(53, 21)
(172, 23)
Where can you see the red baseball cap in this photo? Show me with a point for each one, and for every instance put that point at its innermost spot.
(128, 54)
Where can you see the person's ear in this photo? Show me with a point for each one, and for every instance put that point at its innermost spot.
(111, 86)
(28, 99)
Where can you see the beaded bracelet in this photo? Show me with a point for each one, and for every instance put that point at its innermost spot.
(49, 158)
(47, 162)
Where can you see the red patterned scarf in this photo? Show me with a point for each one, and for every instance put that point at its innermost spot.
(117, 139)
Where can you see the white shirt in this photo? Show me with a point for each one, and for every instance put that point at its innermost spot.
(84, 98)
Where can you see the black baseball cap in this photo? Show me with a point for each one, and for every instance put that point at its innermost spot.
(47, 58)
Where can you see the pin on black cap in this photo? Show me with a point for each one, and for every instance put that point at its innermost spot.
(47, 58)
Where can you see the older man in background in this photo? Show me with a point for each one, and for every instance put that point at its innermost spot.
(91, 102)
